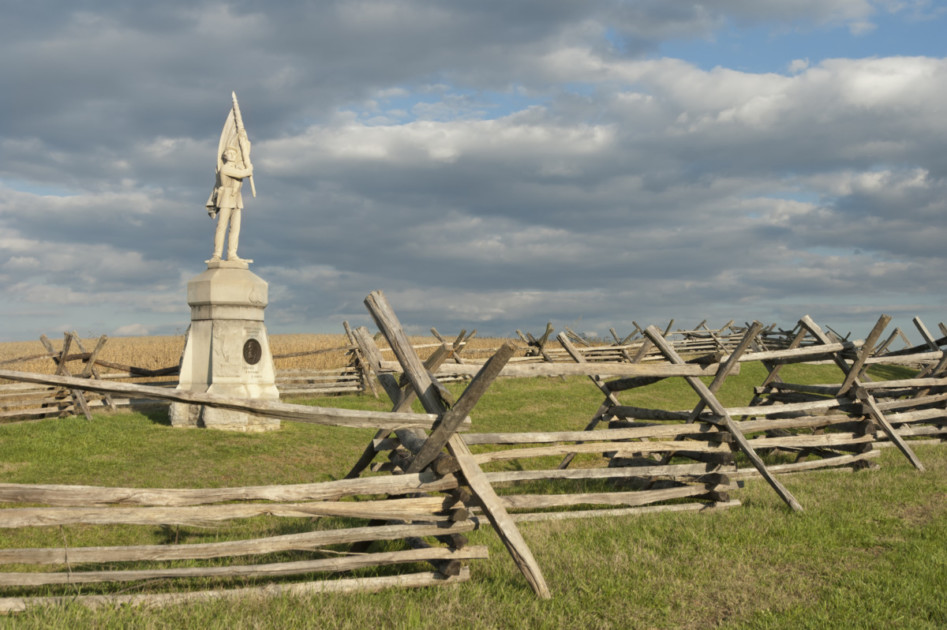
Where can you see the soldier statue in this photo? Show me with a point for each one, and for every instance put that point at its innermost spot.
(226, 204)
(226, 200)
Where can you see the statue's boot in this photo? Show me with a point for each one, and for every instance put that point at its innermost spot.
(232, 257)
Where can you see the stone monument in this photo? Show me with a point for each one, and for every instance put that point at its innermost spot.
(227, 351)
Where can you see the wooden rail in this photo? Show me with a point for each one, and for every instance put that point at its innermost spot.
(424, 521)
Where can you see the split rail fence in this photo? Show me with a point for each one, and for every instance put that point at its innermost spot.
(445, 478)
(426, 507)
(24, 401)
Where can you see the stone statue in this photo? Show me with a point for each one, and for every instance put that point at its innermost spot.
(227, 352)
(226, 200)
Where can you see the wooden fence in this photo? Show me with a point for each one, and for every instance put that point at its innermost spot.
(827, 427)
(645, 459)
(427, 512)
(424, 521)
(619, 490)
(813, 426)
(23, 401)
(895, 412)
(701, 341)
(27, 401)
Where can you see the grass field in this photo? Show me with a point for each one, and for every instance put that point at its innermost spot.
(869, 551)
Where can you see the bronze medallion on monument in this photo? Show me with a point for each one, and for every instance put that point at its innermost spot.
(252, 351)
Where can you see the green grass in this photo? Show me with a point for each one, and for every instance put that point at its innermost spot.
(869, 551)
(131, 449)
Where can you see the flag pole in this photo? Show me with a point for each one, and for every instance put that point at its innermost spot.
(242, 139)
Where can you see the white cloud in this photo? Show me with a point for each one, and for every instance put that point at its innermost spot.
(481, 162)
(432, 142)
(798, 65)
(131, 330)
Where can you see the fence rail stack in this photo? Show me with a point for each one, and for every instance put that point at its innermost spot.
(815, 428)
(870, 409)
(427, 512)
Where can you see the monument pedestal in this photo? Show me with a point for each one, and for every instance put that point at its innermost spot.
(227, 351)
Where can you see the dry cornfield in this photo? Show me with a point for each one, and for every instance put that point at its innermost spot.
(322, 351)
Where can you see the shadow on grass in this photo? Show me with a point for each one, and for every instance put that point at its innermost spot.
(883, 372)
(155, 413)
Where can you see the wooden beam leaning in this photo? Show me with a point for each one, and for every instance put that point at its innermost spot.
(57, 357)
(401, 396)
(453, 418)
(887, 342)
(91, 371)
(541, 342)
(933, 369)
(372, 356)
(871, 405)
(578, 358)
(610, 399)
(365, 369)
(458, 344)
(867, 398)
(707, 396)
(727, 367)
(423, 384)
(62, 370)
(855, 371)
(774, 368)
(928, 337)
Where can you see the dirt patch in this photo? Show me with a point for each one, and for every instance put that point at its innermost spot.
(11, 467)
(920, 515)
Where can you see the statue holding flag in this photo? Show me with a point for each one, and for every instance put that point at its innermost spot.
(226, 201)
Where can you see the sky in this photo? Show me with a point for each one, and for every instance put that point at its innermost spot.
(490, 165)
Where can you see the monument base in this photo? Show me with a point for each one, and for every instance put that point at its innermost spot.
(227, 351)
(199, 416)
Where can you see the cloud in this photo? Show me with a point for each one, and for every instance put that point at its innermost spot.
(498, 163)
(131, 330)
